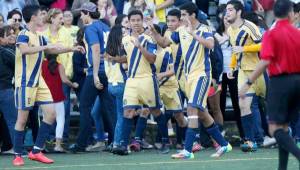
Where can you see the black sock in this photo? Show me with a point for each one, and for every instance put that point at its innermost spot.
(283, 158)
(286, 142)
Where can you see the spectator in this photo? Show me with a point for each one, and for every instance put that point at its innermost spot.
(9, 5)
(297, 15)
(54, 75)
(44, 14)
(71, 29)
(60, 4)
(141, 5)
(264, 7)
(107, 11)
(56, 33)
(14, 18)
(7, 69)
(76, 13)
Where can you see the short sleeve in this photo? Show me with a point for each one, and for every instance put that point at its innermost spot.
(22, 39)
(175, 37)
(207, 35)
(151, 47)
(91, 36)
(254, 33)
(267, 51)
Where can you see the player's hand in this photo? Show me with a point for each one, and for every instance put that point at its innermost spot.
(159, 76)
(75, 85)
(237, 49)
(79, 48)
(243, 90)
(136, 43)
(230, 75)
(97, 83)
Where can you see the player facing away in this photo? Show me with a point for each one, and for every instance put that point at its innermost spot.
(280, 54)
(30, 87)
(244, 34)
(141, 89)
(196, 39)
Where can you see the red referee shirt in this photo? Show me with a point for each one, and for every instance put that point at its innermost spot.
(281, 46)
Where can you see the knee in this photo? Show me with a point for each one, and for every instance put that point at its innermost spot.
(21, 123)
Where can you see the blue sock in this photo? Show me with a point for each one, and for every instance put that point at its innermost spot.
(163, 127)
(43, 133)
(190, 136)
(248, 126)
(18, 142)
(126, 130)
(215, 133)
(140, 128)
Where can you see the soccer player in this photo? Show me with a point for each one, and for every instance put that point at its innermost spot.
(173, 22)
(243, 33)
(280, 54)
(141, 87)
(96, 35)
(30, 87)
(196, 40)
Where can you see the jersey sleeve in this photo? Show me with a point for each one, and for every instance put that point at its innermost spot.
(151, 47)
(207, 34)
(91, 36)
(22, 39)
(254, 33)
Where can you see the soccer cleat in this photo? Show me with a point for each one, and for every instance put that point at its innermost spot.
(165, 149)
(196, 147)
(184, 154)
(18, 161)
(221, 151)
(135, 146)
(120, 150)
(40, 157)
(249, 146)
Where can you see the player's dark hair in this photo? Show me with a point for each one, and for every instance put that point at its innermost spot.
(93, 15)
(174, 13)
(13, 12)
(119, 19)
(30, 10)
(297, 7)
(190, 8)
(79, 37)
(52, 63)
(135, 12)
(282, 8)
(221, 27)
(114, 42)
(237, 5)
(44, 8)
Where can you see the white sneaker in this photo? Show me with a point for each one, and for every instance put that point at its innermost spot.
(9, 152)
(268, 141)
(99, 146)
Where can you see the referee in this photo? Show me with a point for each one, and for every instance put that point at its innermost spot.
(281, 54)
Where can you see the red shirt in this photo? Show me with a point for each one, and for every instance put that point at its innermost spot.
(281, 46)
(53, 82)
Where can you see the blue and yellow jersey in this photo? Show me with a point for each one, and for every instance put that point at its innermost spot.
(115, 72)
(95, 33)
(28, 67)
(138, 66)
(163, 62)
(196, 56)
(246, 35)
(177, 57)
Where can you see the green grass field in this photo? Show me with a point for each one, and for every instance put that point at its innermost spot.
(264, 159)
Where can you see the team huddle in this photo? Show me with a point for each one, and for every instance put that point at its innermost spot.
(157, 70)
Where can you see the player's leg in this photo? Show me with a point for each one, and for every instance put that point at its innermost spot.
(139, 130)
(60, 120)
(214, 104)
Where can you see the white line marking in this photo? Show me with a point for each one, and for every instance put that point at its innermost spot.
(139, 163)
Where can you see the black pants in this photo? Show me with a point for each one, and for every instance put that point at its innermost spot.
(233, 90)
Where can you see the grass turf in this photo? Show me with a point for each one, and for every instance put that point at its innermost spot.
(264, 159)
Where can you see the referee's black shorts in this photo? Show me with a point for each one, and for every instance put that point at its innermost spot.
(283, 98)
